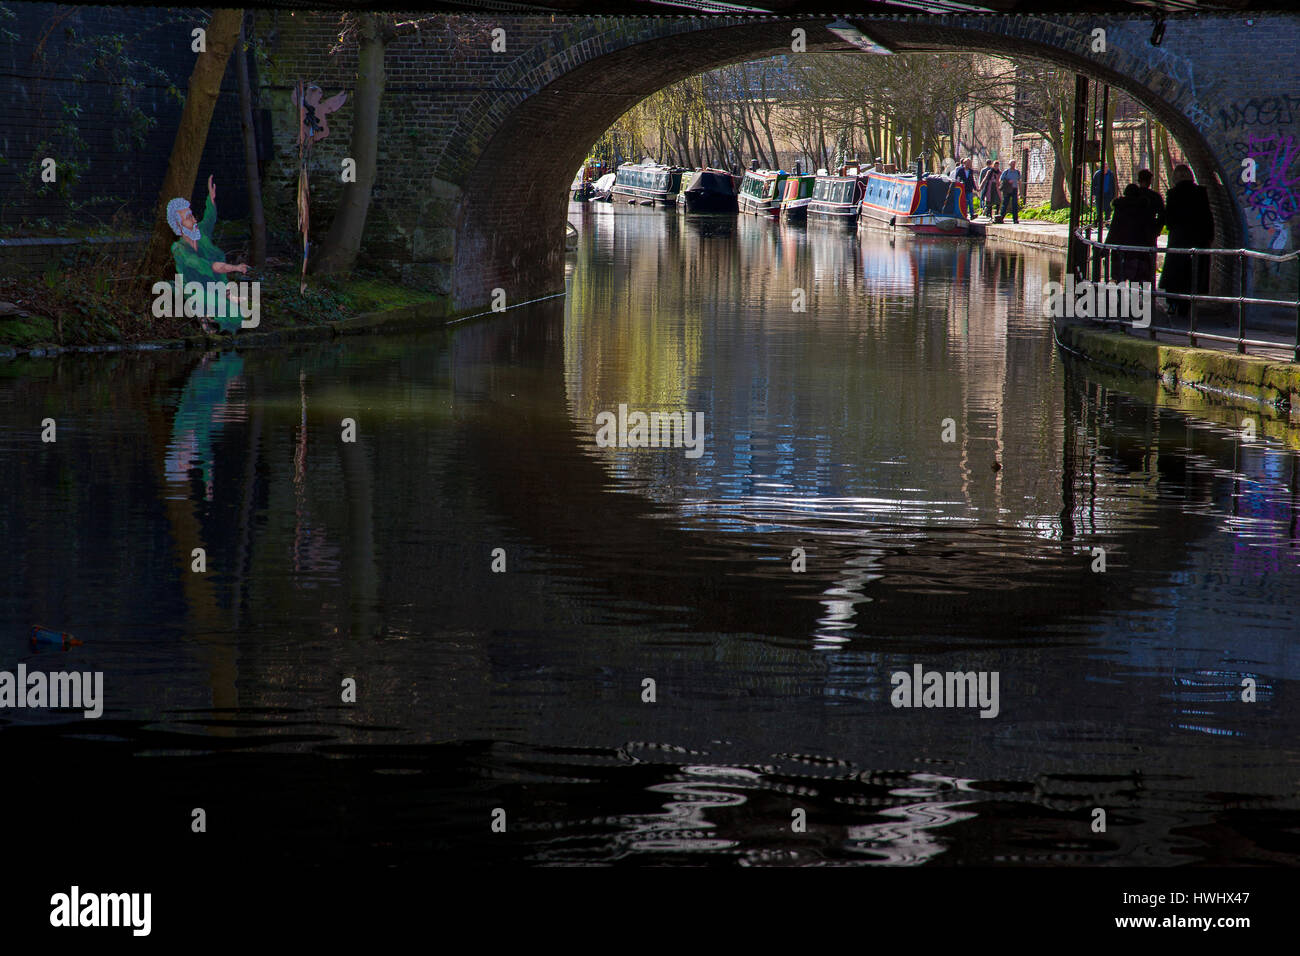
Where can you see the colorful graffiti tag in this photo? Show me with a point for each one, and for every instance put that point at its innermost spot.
(1277, 183)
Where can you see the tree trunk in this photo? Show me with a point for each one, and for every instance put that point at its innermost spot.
(339, 253)
(1110, 139)
(1148, 147)
(256, 217)
(191, 136)
(1059, 200)
(1162, 141)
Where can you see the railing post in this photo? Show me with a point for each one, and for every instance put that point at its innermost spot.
(1241, 305)
(1191, 312)
(1295, 354)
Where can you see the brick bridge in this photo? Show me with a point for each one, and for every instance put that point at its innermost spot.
(477, 148)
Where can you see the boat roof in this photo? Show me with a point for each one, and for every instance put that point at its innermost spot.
(662, 167)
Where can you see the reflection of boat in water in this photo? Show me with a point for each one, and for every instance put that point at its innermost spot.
(647, 183)
(708, 190)
(711, 227)
(836, 196)
(797, 196)
(760, 192)
(921, 202)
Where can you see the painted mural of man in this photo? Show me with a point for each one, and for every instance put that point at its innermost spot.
(199, 260)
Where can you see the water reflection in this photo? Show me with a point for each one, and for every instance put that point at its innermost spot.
(477, 688)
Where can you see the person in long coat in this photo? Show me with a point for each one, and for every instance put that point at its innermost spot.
(989, 189)
(1132, 219)
(1191, 226)
(1156, 209)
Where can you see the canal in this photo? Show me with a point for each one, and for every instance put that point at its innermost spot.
(642, 655)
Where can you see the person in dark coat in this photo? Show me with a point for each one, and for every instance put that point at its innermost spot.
(1191, 226)
(966, 176)
(989, 189)
(1156, 211)
(1010, 183)
(1103, 190)
(1130, 225)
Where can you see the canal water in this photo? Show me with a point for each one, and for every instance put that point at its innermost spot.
(503, 589)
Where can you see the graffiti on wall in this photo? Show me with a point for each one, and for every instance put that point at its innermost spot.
(1261, 111)
(1037, 171)
(1274, 196)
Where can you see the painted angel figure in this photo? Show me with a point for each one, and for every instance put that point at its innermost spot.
(312, 111)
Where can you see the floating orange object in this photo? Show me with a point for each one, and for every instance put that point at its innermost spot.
(42, 635)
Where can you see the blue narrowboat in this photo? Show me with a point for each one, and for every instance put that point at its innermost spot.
(925, 203)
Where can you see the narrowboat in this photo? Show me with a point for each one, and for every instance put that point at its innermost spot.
(647, 183)
(760, 192)
(707, 190)
(925, 203)
(797, 196)
(836, 196)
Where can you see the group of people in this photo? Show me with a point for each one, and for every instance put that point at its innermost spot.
(1137, 219)
(997, 190)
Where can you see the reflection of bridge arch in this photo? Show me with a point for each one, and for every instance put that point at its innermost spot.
(740, 582)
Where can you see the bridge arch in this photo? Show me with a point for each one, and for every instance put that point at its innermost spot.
(480, 205)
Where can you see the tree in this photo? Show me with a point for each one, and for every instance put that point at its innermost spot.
(257, 218)
(373, 32)
(191, 135)
(343, 243)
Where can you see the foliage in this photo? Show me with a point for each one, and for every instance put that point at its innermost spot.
(86, 58)
(1045, 213)
(834, 107)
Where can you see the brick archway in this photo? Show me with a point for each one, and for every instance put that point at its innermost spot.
(480, 204)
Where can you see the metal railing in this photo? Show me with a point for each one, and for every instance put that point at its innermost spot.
(1101, 263)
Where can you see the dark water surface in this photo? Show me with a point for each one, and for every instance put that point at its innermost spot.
(523, 690)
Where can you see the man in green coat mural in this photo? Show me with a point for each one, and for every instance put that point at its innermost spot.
(199, 260)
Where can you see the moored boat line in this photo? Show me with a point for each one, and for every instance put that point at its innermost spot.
(852, 196)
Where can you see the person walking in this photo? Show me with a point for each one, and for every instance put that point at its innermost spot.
(966, 176)
(1156, 218)
(1191, 226)
(1103, 191)
(989, 188)
(1130, 226)
(1010, 183)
